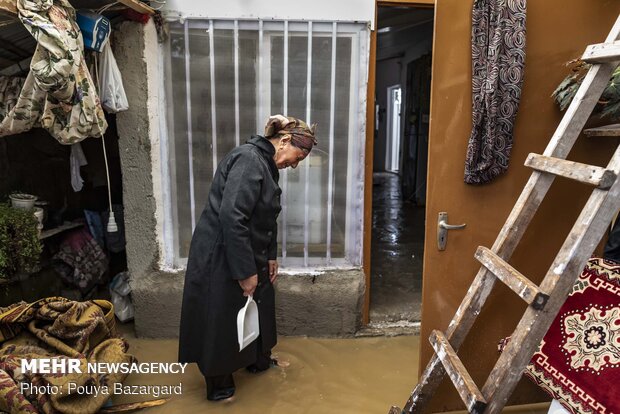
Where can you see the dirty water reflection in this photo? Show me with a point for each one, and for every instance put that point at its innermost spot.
(363, 375)
(397, 253)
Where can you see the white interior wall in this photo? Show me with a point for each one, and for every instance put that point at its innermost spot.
(317, 10)
(388, 74)
(394, 52)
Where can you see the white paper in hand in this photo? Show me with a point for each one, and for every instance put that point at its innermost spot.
(247, 324)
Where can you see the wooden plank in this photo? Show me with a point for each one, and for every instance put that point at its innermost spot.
(368, 167)
(467, 389)
(602, 53)
(138, 6)
(521, 215)
(587, 174)
(8, 7)
(603, 131)
(521, 285)
(562, 274)
(64, 227)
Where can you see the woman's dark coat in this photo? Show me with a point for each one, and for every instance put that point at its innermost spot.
(233, 240)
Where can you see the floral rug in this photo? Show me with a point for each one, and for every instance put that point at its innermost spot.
(578, 361)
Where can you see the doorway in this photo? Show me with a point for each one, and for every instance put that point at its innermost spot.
(402, 98)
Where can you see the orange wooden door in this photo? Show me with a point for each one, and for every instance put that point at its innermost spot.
(557, 31)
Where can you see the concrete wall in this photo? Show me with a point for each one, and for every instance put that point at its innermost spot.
(325, 305)
(137, 133)
(329, 304)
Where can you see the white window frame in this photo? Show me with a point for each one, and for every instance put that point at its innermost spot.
(360, 36)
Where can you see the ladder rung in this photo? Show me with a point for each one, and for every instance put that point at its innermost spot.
(604, 131)
(602, 53)
(588, 174)
(470, 394)
(520, 284)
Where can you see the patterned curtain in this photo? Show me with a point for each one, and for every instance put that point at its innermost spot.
(58, 93)
(498, 60)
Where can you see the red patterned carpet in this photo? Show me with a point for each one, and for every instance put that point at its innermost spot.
(578, 362)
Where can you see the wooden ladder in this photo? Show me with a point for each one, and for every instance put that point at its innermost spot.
(545, 300)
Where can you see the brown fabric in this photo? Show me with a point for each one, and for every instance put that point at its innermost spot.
(56, 327)
(302, 135)
(498, 62)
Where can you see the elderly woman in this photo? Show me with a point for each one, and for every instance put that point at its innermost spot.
(233, 254)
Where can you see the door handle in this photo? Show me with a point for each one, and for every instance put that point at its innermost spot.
(442, 230)
(445, 226)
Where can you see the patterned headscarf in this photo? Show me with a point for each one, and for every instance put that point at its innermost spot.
(302, 135)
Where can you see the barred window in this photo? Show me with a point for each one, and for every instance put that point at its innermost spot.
(224, 78)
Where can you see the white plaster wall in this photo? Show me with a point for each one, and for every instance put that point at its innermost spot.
(331, 10)
(409, 46)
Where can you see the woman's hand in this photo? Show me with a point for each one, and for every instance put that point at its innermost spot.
(273, 270)
(249, 285)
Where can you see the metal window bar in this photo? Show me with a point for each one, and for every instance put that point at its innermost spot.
(260, 87)
(165, 149)
(330, 174)
(354, 186)
(213, 110)
(307, 163)
(236, 63)
(188, 98)
(285, 113)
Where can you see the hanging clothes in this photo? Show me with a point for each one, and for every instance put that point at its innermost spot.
(498, 60)
(58, 94)
(76, 161)
(10, 87)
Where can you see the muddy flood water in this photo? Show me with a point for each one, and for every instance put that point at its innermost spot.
(362, 375)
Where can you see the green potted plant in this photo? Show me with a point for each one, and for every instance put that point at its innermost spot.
(19, 241)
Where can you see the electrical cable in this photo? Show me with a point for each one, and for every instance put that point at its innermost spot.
(111, 227)
(106, 7)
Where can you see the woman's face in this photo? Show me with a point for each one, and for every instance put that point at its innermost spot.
(288, 155)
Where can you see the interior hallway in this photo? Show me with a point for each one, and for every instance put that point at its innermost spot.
(397, 253)
(325, 376)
